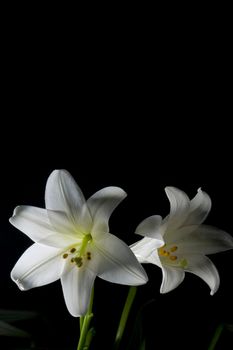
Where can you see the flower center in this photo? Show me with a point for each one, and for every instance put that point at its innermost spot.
(78, 254)
(169, 256)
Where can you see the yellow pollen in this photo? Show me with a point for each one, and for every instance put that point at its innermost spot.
(72, 250)
(173, 257)
(65, 256)
(162, 252)
(173, 249)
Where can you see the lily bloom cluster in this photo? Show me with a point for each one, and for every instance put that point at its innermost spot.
(73, 243)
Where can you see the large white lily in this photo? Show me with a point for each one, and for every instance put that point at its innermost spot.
(73, 243)
(180, 242)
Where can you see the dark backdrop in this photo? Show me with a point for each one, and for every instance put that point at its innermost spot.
(126, 116)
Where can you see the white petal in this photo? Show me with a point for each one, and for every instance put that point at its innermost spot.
(101, 206)
(172, 277)
(180, 234)
(63, 194)
(35, 223)
(205, 269)
(205, 240)
(179, 208)
(150, 227)
(60, 222)
(77, 285)
(146, 250)
(39, 265)
(113, 261)
(200, 206)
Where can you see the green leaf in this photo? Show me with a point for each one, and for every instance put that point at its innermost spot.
(138, 340)
(89, 337)
(216, 336)
(16, 315)
(11, 331)
(143, 345)
(229, 327)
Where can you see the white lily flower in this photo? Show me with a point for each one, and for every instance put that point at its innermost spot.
(180, 242)
(73, 243)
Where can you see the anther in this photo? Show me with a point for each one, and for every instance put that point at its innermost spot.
(72, 250)
(173, 257)
(173, 249)
(79, 261)
(162, 251)
(72, 260)
(65, 256)
(88, 255)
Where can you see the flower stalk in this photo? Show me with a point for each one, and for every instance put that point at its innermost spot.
(124, 316)
(84, 326)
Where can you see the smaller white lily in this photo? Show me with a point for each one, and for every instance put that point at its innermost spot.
(180, 242)
(73, 243)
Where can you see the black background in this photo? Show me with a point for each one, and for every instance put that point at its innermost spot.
(128, 109)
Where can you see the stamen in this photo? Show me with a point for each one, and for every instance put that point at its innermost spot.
(72, 250)
(78, 261)
(88, 255)
(72, 260)
(173, 249)
(173, 257)
(162, 251)
(65, 256)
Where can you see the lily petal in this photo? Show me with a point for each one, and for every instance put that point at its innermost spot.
(35, 223)
(180, 234)
(77, 285)
(101, 206)
(63, 194)
(205, 269)
(39, 265)
(145, 250)
(60, 222)
(114, 261)
(172, 277)
(150, 227)
(179, 208)
(205, 240)
(200, 206)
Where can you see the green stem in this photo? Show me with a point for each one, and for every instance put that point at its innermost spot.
(85, 323)
(81, 320)
(216, 336)
(124, 316)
